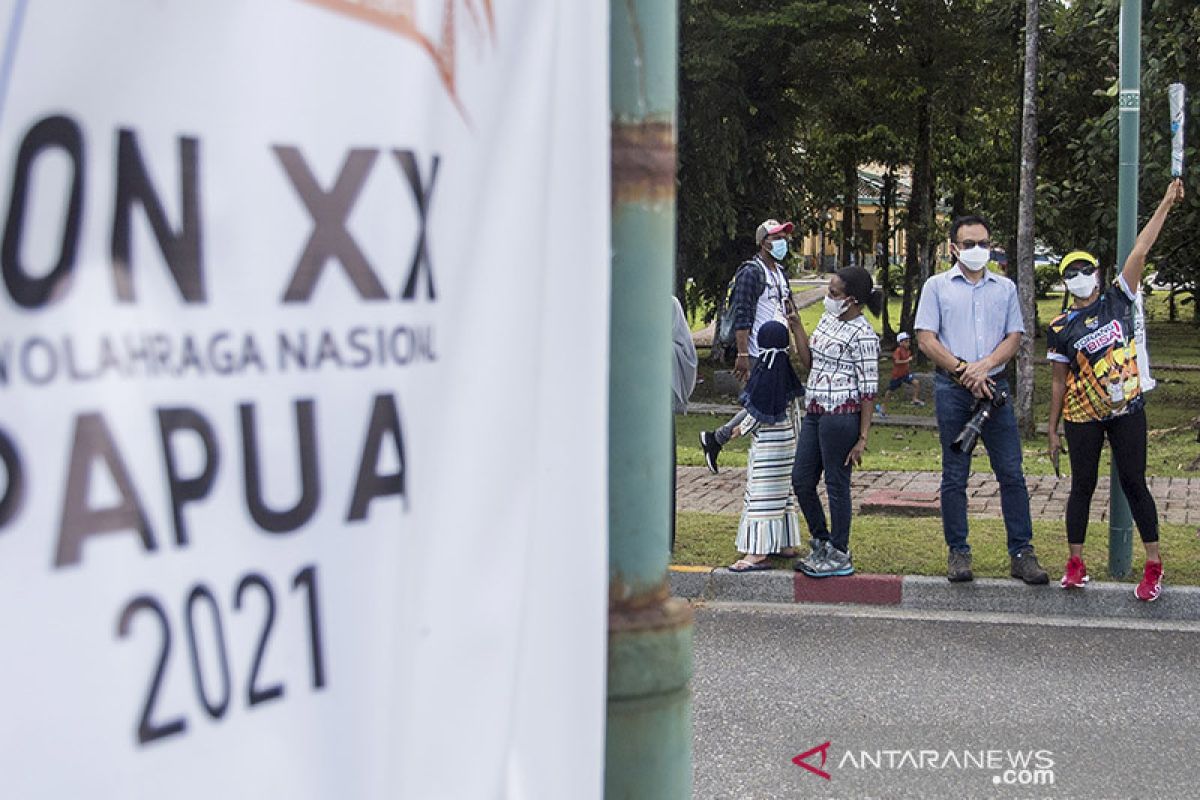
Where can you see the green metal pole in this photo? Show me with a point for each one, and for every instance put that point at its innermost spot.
(1120, 520)
(649, 738)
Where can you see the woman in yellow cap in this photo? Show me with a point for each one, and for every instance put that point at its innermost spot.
(1097, 390)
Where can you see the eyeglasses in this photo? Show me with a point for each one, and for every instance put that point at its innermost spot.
(967, 244)
(1071, 272)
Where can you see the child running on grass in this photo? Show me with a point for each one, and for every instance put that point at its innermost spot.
(769, 524)
(901, 374)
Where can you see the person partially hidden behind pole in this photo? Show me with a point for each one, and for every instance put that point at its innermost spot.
(1097, 388)
(969, 324)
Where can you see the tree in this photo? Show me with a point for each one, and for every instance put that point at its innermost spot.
(751, 73)
(1077, 191)
(946, 78)
(1170, 32)
(887, 202)
(1025, 281)
(782, 100)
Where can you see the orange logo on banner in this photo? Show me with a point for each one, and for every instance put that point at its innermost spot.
(399, 17)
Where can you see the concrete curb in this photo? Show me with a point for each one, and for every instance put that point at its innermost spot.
(920, 593)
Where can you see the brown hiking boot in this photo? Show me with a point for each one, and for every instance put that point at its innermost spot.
(1026, 567)
(958, 566)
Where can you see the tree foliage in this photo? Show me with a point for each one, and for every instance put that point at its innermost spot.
(1078, 191)
(748, 76)
(780, 99)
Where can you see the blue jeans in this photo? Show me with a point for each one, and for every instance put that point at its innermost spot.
(1003, 441)
(824, 442)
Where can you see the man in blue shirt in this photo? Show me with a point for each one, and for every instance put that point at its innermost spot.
(969, 323)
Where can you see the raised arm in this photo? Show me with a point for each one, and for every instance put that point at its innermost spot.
(1135, 264)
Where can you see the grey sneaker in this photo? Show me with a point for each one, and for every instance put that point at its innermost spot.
(817, 548)
(834, 563)
(958, 566)
(1026, 567)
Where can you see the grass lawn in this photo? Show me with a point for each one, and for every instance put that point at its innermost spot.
(904, 546)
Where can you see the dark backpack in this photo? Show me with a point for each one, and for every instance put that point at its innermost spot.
(725, 338)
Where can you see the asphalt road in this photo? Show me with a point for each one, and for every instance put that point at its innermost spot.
(942, 705)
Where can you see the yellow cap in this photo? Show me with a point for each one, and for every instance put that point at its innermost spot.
(1076, 255)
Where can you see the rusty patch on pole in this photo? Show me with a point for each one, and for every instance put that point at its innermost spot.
(668, 614)
(643, 161)
(622, 599)
(653, 609)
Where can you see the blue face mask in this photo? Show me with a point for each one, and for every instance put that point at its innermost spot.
(779, 249)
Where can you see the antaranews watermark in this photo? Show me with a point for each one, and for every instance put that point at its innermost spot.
(1024, 767)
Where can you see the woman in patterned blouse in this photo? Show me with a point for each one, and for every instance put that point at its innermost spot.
(841, 387)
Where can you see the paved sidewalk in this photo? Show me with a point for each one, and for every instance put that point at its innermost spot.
(696, 489)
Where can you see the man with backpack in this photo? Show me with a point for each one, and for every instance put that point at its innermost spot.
(761, 293)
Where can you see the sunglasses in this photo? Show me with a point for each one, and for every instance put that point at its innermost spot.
(1071, 272)
(967, 244)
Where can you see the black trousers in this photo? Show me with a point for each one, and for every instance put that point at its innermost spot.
(1127, 436)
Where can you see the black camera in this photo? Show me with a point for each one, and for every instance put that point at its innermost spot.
(984, 408)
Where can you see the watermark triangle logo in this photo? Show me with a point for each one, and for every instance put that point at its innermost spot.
(802, 760)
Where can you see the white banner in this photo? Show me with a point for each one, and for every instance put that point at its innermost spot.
(303, 366)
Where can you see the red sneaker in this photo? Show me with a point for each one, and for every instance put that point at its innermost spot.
(1151, 586)
(1075, 576)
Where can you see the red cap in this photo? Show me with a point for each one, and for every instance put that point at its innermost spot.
(771, 227)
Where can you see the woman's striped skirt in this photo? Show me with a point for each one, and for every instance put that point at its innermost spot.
(769, 520)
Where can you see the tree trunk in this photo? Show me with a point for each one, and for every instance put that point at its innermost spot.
(849, 208)
(1011, 265)
(887, 196)
(919, 213)
(929, 260)
(1014, 207)
(958, 200)
(1025, 282)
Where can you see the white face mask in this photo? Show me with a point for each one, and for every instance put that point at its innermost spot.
(1082, 285)
(975, 259)
(835, 307)
(779, 249)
